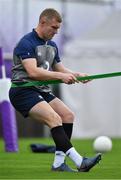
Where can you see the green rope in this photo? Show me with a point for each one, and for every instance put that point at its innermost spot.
(47, 82)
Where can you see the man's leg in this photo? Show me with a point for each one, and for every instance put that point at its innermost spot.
(44, 113)
(67, 117)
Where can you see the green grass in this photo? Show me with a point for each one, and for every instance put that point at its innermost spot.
(28, 165)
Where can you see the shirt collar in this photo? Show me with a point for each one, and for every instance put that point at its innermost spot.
(35, 33)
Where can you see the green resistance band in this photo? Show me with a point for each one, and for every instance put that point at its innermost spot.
(47, 82)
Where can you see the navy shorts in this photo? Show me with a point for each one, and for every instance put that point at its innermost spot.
(24, 98)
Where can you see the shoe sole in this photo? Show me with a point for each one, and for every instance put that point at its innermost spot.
(63, 170)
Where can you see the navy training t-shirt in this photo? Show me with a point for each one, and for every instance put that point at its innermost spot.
(32, 46)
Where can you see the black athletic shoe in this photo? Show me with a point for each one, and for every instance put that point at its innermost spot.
(63, 167)
(88, 163)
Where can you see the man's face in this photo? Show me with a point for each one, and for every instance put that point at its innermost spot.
(50, 28)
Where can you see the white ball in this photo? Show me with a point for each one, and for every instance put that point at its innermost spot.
(102, 144)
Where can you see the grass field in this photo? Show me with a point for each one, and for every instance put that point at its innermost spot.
(28, 165)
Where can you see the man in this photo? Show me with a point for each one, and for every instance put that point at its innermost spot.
(36, 58)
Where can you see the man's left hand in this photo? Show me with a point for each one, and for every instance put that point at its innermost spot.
(78, 74)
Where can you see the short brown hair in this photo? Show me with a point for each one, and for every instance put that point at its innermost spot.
(50, 14)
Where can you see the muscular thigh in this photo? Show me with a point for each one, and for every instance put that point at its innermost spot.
(43, 112)
(62, 110)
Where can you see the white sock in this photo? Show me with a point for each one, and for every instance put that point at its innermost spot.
(59, 158)
(75, 156)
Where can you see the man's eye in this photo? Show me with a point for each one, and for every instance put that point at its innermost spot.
(54, 27)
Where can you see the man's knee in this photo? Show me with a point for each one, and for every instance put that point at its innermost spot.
(54, 120)
(68, 117)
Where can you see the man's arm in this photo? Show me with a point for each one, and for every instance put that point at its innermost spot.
(61, 68)
(37, 73)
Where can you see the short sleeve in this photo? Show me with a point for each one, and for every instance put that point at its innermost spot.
(24, 49)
